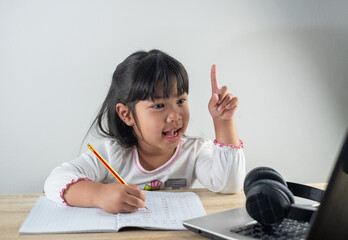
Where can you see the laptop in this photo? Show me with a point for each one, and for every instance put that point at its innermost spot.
(330, 221)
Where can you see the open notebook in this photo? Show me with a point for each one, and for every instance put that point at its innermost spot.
(166, 211)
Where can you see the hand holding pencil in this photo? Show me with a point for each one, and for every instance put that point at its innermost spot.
(120, 198)
(130, 195)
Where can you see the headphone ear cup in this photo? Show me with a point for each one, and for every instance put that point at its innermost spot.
(262, 173)
(268, 201)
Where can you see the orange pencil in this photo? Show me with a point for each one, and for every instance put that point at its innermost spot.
(105, 163)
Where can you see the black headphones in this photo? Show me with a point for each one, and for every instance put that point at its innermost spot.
(270, 199)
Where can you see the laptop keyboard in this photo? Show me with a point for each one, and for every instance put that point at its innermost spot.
(287, 229)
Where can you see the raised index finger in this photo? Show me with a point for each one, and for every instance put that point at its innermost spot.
(214, 81)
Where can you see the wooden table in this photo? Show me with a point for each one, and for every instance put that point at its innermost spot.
(15, 208)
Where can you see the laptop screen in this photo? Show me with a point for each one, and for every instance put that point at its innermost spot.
(331, 221)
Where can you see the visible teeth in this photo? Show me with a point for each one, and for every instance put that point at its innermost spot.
(171, 134)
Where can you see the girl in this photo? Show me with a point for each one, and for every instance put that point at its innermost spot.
(144, 117)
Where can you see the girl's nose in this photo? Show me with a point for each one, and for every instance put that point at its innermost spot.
(173, 116)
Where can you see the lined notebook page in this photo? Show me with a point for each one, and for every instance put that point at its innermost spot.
(166, 210)
(51, 217)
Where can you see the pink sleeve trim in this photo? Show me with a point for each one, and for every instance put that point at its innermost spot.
(66, 187)
(229, 145)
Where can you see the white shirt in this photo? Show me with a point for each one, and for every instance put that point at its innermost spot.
(218, 167)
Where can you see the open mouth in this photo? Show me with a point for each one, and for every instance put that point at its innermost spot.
(171, 133)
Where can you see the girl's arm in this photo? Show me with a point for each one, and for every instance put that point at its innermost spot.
(85, 182)
(222, 107)
(222, 168)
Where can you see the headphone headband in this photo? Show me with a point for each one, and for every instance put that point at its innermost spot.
(305, 191)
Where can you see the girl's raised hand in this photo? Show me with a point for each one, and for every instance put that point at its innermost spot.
(222, 104)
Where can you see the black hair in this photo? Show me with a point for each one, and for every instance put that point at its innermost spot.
(135, 79)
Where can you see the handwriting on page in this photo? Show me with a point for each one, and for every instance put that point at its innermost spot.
(165, 211)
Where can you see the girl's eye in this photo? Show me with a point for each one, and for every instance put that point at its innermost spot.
(158, 106)
(181, 101)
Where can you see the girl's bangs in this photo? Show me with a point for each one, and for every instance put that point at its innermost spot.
(156, 73)
(166, 81)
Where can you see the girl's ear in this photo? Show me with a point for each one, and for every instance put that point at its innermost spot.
(125, 114)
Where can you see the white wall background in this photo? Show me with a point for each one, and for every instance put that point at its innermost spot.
(286, 60)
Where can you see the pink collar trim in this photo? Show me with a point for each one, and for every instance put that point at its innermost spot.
(137, 163)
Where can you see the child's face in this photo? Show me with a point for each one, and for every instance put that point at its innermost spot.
(161, 123)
